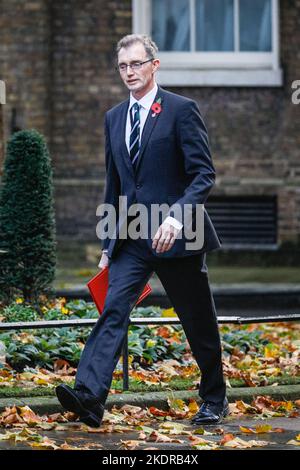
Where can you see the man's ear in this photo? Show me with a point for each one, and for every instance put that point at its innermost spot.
(157, 64)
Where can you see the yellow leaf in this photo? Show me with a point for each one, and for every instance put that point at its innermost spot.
(169, 312)
(193, 406)
(263, 428)
(260, 429)
(176, 403)
(247, 430)
(271, 351)
(24, 435)
(178, 407)
(41, 381)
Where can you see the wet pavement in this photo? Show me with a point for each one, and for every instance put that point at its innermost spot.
(71, 434)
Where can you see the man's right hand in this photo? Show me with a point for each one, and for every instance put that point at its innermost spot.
(103, 261)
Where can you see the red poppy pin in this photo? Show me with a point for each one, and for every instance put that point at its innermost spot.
(156, 107)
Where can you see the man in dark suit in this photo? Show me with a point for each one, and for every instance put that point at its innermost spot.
(156, 152)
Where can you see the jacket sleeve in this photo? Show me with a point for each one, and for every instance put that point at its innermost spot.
(198, 165)
(112, 184)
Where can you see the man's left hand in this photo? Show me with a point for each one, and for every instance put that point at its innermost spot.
(165, 237)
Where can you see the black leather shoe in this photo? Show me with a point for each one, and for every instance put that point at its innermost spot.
(86, 407)
(211, 413)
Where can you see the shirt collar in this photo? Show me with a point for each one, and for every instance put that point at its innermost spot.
(147, 100)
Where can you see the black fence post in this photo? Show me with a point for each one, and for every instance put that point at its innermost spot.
(125, 364)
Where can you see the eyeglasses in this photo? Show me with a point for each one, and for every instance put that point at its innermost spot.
(133, 65)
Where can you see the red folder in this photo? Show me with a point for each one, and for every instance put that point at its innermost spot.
(98, 287)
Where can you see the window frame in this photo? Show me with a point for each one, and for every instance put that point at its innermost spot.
(2, 92)
(195, 68)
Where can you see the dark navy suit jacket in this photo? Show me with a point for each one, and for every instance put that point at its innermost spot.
(174, 166)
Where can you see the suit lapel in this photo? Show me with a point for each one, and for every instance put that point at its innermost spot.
(123, 118)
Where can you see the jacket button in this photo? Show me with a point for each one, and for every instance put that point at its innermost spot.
(138, 186)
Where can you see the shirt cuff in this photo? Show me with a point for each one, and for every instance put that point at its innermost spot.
(174, 222)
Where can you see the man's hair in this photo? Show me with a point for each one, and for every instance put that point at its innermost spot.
(149, 45)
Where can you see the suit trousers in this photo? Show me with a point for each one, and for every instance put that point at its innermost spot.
(185, 280)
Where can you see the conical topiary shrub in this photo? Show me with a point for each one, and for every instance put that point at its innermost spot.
(27, 224)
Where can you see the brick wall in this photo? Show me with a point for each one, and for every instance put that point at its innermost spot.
(57, 60)
(24, 63)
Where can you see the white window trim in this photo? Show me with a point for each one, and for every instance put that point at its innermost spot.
(214, 68)
(2, 92)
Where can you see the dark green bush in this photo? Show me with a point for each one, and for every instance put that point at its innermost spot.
(27, 227)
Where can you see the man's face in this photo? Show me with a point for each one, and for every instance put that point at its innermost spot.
(137, 80)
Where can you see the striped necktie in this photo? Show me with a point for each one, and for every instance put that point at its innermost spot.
(134, 142)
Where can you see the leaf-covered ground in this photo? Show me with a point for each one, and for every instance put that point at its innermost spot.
(151, 426)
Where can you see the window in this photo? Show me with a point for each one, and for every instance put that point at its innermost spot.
(214, 23)
(213, 42)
